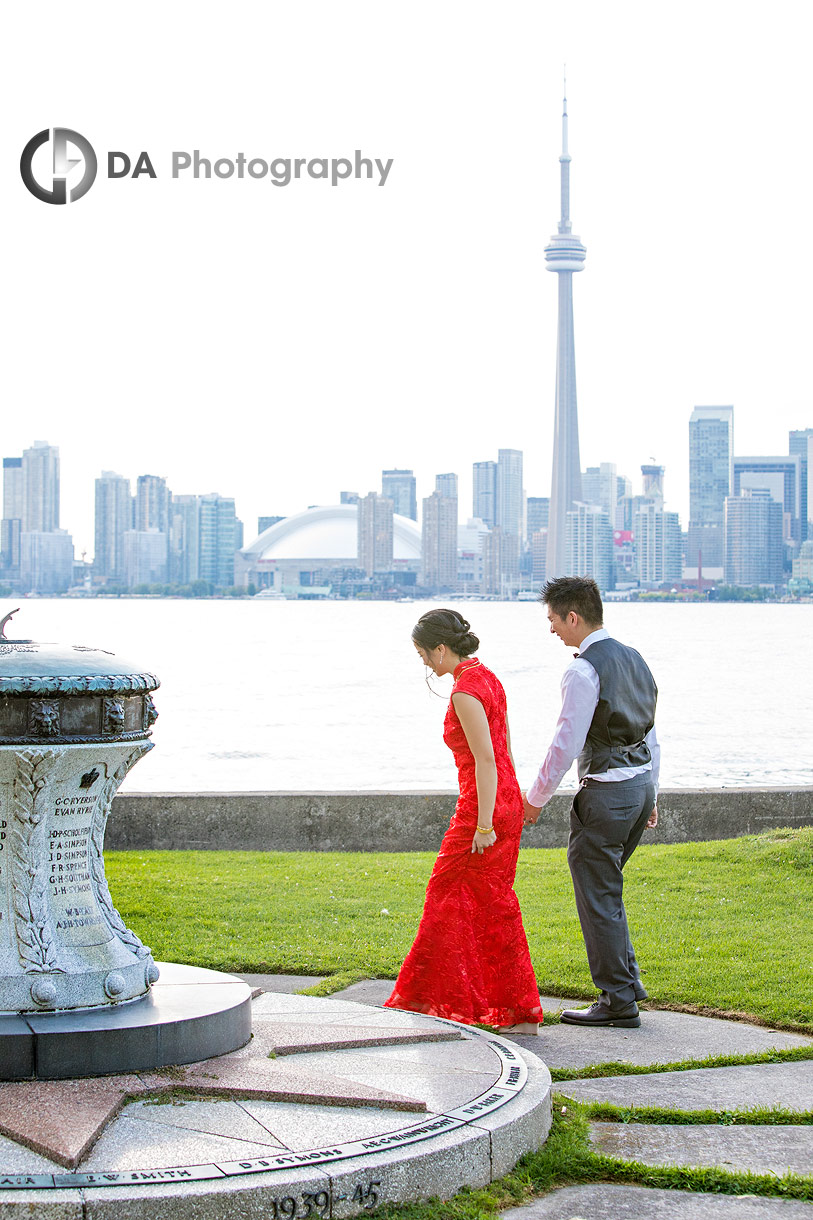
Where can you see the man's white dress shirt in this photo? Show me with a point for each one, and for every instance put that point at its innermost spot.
(580, 693)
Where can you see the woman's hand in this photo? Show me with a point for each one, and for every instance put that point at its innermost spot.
(480, 841)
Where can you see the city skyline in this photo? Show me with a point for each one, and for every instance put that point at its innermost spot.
(152, 537)
(245, 335)
(142, 489)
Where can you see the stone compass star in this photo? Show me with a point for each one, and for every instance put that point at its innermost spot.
(62, 1119)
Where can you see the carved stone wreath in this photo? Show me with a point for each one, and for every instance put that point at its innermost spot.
(35, 940)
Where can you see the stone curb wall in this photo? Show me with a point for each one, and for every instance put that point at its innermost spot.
(410, 821)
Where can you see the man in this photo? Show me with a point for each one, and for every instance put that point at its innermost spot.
(607, 722)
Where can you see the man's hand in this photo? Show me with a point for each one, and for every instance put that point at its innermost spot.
(653, 819)
(529, 812)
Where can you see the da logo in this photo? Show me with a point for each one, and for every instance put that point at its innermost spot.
(55, 189)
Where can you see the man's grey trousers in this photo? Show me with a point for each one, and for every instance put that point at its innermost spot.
(606, 822)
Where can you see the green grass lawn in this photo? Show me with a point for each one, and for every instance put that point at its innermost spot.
(723, 925)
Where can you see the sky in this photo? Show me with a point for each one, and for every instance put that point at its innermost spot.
(283, 343)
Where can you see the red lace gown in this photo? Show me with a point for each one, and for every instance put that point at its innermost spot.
(470, 960)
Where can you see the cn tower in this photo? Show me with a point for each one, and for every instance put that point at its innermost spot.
(564, 255)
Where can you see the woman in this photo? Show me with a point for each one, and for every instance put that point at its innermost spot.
(470, 959)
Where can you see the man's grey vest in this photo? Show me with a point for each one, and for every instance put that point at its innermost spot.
(625, 711)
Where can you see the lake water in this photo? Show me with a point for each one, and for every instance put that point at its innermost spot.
(259, 695)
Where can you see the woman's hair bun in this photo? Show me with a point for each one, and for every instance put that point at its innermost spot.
(464, 643)
(445, 627)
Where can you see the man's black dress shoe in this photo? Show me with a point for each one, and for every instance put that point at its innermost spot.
(601, 1014)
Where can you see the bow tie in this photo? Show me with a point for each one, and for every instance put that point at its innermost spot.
(576, 655)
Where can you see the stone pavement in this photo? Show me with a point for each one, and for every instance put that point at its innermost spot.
(336, 1103)
(601, 1201)
(667, 1037)
(330, 1107)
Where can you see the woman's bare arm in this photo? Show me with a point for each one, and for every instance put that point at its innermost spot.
(473, 721)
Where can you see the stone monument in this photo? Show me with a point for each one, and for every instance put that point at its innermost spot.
(73, 721)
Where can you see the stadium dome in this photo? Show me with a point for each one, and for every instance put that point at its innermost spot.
(328, 533)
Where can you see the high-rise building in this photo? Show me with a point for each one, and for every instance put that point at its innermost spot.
(658, 543)
(470, 555)
(12, 522)
(565, 255)
(500, 563)
(183, 540)
(217, 540)
(537, 514)
(509, 493)
(152, 499)
(145, 557)
(46, 561)
(375, 533)
(265, 523)
(446, 484)
(800, 444)
(113, 518)
(753, 534)
(349, 497)
(600, 486)
(653, 483)
(40, 488)
(781, 476)
(801, 582)
(590, 545)
(484, 492)
(623, 493)
(538, 540)
(45, 551)
(151, 512)
(439, 542)
(711, 452)
(399, 487)
(13, 488)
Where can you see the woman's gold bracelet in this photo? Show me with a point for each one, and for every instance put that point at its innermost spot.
(484, 830)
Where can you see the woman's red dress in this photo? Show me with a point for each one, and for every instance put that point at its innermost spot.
(470, 960)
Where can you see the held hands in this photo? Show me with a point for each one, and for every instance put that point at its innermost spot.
(530, 812)
(653, 819)
(480, 841)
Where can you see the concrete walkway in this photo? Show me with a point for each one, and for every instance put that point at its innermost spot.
(667, 1037)
(604, 1202)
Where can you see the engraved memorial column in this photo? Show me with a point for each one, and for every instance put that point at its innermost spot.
(73, 721)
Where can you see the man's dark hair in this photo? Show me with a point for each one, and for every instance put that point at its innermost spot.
(579, 593)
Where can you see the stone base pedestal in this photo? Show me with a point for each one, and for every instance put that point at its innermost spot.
(188, 1015)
